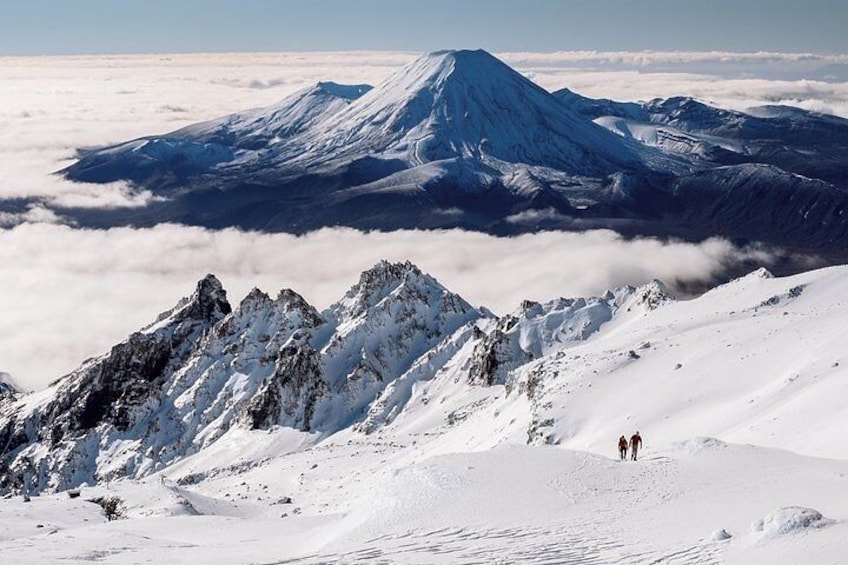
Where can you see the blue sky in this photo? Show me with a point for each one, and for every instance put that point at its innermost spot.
(143, 26)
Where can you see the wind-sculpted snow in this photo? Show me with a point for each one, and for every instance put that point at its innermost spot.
(400, 354)
(789, 520)
(385, 423)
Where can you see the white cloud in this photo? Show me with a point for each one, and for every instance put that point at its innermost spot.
(688, 58)
(68, 294)
(737, 94)
(534, 216)
(34, 214)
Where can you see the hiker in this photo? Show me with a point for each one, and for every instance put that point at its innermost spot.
(622, 447)
(635, 444)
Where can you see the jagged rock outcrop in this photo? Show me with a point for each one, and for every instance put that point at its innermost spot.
(536, 330)
(495, 355)
(115, 389)
(388, 320)
(201, 368)
(8, 388)
(442, 358)
(109, 395)
(290, 394)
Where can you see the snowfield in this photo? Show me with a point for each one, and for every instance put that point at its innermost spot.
(417, 429)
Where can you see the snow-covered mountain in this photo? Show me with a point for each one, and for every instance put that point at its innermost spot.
(459, 139)
(401, 417)
(202, 368)
(795, 140)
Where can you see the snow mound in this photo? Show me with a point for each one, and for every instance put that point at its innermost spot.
(721, 535)
(790, 519)
(698, 444)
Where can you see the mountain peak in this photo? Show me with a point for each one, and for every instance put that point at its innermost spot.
(382, 280)
(254, 299)
(385, 273)
(8, 387)
(208, 302)
(459, 53)
(433, 69)
(462, 56)
(209, 298)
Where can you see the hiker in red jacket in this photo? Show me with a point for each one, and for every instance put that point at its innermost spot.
(622, 447)
(635, 444)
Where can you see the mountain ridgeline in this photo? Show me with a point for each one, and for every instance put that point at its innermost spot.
(203, 368)
(458, 139)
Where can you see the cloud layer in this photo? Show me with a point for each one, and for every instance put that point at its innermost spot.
(73, 293)
(66, 294)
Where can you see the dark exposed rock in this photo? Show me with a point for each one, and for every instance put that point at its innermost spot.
(290, 394)
(495, 355)
(8, 389)
(108, 391)
(116, 389)
(113, 507)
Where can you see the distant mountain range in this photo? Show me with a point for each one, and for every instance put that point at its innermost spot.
(457, 139)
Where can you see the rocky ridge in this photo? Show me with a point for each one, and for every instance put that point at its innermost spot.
(204, 368)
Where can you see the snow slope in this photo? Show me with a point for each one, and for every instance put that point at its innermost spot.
(368, 503)
(444, 435)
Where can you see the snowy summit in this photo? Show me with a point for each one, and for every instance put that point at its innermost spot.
(459, 139)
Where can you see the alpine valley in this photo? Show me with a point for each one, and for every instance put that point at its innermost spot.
(404, 425)
(457, 139)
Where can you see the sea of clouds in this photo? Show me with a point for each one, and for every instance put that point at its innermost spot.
(67, 293)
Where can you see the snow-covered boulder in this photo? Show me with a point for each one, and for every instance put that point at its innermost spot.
(790, 519)
(721, 535)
